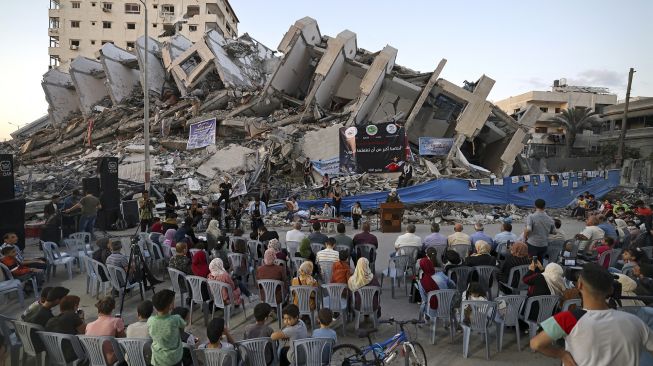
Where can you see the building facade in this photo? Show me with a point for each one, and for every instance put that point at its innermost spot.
(639, 127)
(81, 27)
(548, 135)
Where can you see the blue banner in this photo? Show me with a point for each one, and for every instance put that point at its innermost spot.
(201, 134)
(435, 146)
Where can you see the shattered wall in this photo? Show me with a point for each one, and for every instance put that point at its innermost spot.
(121, 69)
(90, 81)
(61, 96)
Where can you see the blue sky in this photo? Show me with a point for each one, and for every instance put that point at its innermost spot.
(523, 45)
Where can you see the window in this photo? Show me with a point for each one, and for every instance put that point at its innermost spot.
(557, 110)
(155, 6)
(74, 24)
(130, 45)
(54, 61)
(74, 42)
(192, 27)
(93, 23)
(541, 130)
(105, 42)
(168, 9)
(192, 10)
(106, 25)
(54, 23)
(131, 25)
(516, 110)
(54, 41)
(132, 8)
(107, 6)
(544, 109)
(76, 4)
(92, 41)
(93, 4)
(153, 25)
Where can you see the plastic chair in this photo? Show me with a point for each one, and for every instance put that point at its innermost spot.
(462, 249)
(196, 283)
(411, 252)
(366, 251)
(510, 318)
(268, 291)
(292, 247)
(32, 345)
(520, 272)
(217, 290)
(240, 266)
(76, 249)
(326, 271)
(648, 251)
(481, 318)
(99, 267)
(93, 346)
(84, 237)
(546, 306)
(134, 350)
(444, 311)
(253, 351)
(210, 357)
(367, 294)
(118, 278)
(316, 247)
(303, 294)
(155, 238)
(502, 251)
(158, 258)
(439, 252)
(12, 342)
(554, 249)
(397, 268)
(571, 302)
(487, 277)
(91, 277)
(255, 247)
(179, 284)
(335, 301)
(340, 248)
(9, 285)
(312, 351)
(54, 348)
(461, 277)
(296, 262)
(55, 258)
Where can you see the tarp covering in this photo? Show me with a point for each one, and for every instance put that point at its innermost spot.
(458, 190)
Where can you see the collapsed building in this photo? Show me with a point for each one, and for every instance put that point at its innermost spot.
(272, 109)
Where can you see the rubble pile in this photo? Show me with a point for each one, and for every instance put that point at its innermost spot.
(272, 110)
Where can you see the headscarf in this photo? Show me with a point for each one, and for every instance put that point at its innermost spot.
(213, 228)
(482, 247)
(274, 244)
(305, 248)
(170, 237)
(217, 267)
(362, 275)
(199, 265)
(621, 224)
(305, 272)
(553, 274)
(428, 284)
(628, 286)
(269, 256)
(519, 249)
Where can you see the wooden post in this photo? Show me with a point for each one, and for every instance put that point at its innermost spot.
(624, 120)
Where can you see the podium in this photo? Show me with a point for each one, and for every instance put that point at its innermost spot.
(391, 215)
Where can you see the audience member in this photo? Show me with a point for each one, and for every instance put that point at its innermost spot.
(608, 229)
(547, 282)
(18, 271)
(481, 235)
(341, 271)
(607, 244)
(43, 297)
(363, 276)
(305, 278)
(214, 332)
(296, 233)
(325, 318)
(316, 236)
(106, 325)
(199, 264)
(482, 256)
(157, 225)
(341, 238)
(187, 337)
(506, 235)
(140, 329)
(428, 283)
(169, 238)
(538, 227)
(558, 233)
(365, 237)
(69, 321)
(180, 260)
(270, 271)
(435, 239)
(408, 239)
(327, 254)
(259, 329)
(10, 239)
(633, 256)
(185, 233)
(356, 214)
(213, 232)
(458, 237)
(43, 312)
(591, 233)
(266, 235)
(280, 253)
(518, 257)
(294, 329)
(165, 329)
(452, 260)
(218, 273)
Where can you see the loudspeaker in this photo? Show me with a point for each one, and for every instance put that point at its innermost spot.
(107, 217)
(130, 212)
(107, 170)
(91, 185)
(6, 177)
(12, 219)
(110, 199)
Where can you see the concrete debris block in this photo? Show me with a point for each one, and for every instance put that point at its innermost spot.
(192, 66)
(134, 172)
(231, 158)
(174, 145)
(138, 148)
(322, 144)
(90, 82)
(174, 47)
(157, 78)
(121, 78)
(193, 185)
(61, 96)
(230, 74)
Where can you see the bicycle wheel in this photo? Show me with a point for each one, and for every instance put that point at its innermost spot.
(416, 356)
(346, 355)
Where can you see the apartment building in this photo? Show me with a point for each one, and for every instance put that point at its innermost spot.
(81, 27)
(548, 135)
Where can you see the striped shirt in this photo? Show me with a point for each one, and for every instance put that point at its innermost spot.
(118, 260)
(327, 255)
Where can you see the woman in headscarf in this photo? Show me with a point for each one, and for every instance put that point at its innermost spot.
(306, 252)
(170, 238)
(623, 232)
(281, 253)
(305, 278)
(427, 281)
(199, 264)
(362, 277)
(482, 257)
(628, 286)
(212, 234)
(270, 271)
(518, 257)
(548, 282)
(218, 273)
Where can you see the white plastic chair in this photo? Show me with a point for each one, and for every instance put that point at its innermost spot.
(217, 288)
(210, 357)
(196, 283)
(91, 276)
(366, 251)
(487, 277)
(55, 258)
(481, 318)
(76, 248)
(510, 318)
(443, 312)
(8, 286)
(98, 268)
(84, 237)
(303, 294)
(292, 247)
(312, 351)
(12, 342)
(118, 278)
(411, 252)
(397, 270)
(316, 247)
(268, 294)
(178, 279)
(460, 275)
(93, 345)
(326, 271)
(366, 294)
(53, 347)
(240, 266)
(335, 301)
(257, 351)
(135, 349)
(254, 247)
(296, 262)
(546, 306)
(566, 305)
(516, 272)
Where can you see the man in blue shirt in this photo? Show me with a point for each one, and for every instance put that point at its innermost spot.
(505, 236)
(435, 238)
(481, 235)
(607, 228)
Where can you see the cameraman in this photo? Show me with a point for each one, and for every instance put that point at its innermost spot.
(594, 335)
(145, 211)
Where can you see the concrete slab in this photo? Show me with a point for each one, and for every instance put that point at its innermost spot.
(157, 78)
(230, 74)
(229, 158)
(192, 66)
(90, 81)
(61, 96)
(322, 144)
(122, 79)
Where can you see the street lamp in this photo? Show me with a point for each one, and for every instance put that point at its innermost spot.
(146, 111)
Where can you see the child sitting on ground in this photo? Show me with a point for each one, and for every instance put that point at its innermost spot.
(325, 317)
(259, 329)
(167, 349)
(294, 329)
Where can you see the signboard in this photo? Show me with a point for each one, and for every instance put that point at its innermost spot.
(201, 134)
(327, 166)
(435, 146)
(239, 188)
(379, 148)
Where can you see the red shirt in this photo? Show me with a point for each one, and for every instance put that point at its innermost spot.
(599, 251)
(157, 227)
(643, 211)
(15, 268)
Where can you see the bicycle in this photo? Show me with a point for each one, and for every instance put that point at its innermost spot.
(384, 353)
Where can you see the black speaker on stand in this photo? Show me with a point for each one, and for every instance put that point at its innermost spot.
(107, 170)
(12, 219)
(7, 177)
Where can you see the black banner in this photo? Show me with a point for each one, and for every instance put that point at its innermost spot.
(377, 148)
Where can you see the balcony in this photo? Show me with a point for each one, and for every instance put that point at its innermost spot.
(55, 13)
(53, 31)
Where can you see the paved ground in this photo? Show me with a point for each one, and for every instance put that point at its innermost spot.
(444, 353)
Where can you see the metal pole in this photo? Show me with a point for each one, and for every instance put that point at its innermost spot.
(146, 102)
(622, 133)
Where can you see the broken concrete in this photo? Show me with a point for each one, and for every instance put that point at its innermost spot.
(157, 78)
(61, 96)
(89, 79)
(121, 69)
(230, 158)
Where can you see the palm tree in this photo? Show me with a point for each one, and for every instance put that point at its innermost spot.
(575, 120)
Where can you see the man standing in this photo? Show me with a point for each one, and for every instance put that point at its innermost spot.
(225, 192)
(308, 172)
(69, 222)
(52, 208)
(171, 200)
(337, 198)
(195, 211)
(145, 211)
(594, 335)
(406, 176)
(538, 227)
(257, 210)
(90, 206)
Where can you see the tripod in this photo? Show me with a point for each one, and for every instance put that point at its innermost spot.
(137, 265)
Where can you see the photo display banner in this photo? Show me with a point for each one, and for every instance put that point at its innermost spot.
(377, 148)
(201, 134)
(435, 146)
